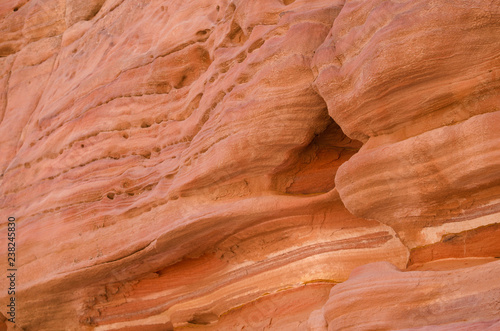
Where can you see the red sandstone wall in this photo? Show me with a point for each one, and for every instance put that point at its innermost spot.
(220, 165)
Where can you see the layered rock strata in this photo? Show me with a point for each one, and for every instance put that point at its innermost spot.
(225, 165)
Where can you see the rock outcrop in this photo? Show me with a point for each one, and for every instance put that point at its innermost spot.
(434, 300)
(226, 165)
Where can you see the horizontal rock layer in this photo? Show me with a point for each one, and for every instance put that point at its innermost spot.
(226, 164)
(441, 299)
(421, 89)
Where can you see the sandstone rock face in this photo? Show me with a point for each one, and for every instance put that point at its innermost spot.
(421, 89)
(226, 165)
(415, 299)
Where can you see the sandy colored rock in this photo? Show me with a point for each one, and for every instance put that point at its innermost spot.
(223, 164)
(418, 83)
(378, 296)
(166, 139)
(418, 189)
(392, 70)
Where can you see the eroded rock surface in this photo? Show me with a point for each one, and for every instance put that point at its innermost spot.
(223, 165)
(418, 82)
(438, 300)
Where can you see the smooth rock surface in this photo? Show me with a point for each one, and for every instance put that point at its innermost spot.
(419, 83)
(416, 300)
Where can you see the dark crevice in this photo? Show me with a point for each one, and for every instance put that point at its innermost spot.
(203, 319)
(312, 169)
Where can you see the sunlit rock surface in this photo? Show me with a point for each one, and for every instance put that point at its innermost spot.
(226, 165)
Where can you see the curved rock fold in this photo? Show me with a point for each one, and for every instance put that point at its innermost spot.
(251, 165)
